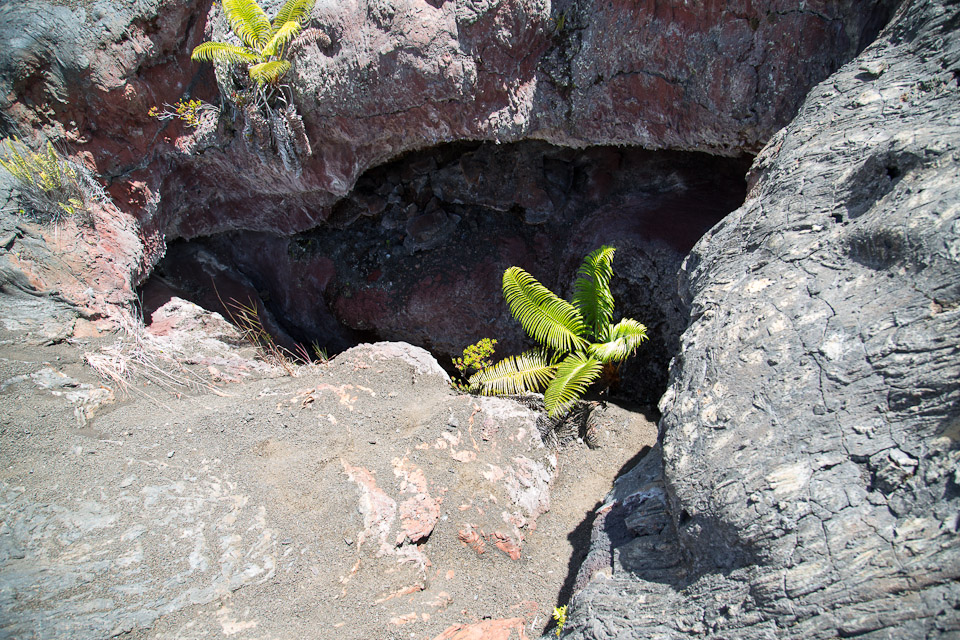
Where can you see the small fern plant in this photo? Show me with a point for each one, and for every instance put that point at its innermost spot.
(578, 341)
(264, 42)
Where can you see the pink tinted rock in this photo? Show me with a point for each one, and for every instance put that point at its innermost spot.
(504, 629)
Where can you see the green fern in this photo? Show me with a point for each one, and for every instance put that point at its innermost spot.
(249, 21)
(569, 364)
(574, 375)
(622, 341)
(530, 371)
(549, 320)
(264, 42)
(592, 291)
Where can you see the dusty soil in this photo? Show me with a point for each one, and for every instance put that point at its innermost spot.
(236, 510)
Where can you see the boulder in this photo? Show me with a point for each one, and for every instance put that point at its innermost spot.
(809, 432)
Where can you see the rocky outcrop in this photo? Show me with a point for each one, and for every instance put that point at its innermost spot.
(359, 499)
(389, 77)
(809, 434)
(386, 78)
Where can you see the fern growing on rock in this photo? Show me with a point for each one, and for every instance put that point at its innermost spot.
(264, 42)
(577, 339)
(271, 121)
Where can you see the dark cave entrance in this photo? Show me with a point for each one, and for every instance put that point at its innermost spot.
(416, 251)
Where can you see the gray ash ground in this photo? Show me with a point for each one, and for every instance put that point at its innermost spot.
(202, 513)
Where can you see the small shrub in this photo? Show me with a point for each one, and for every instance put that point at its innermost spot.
(189, 111)
(476, 357)
(49, 188)
(560, 617)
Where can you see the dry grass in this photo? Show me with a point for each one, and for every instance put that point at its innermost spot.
(138, 355)
(246, 318)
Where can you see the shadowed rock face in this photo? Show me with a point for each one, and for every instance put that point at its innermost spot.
(810, 442)
(419, 248)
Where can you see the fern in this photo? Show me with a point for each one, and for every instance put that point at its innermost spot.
(293, 11)
(549, 320)
(592, 291)
(284, 34)
(574, 375)
(530, 371)
(264, 41)
(624, 338)
(249, 21)
(269, 72)
(223, 52)
(562, 327)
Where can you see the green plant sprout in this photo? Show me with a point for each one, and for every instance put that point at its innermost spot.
(578, 341)
(476, 357)
(560, 616)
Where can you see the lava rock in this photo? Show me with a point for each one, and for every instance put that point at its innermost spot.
(810, 429)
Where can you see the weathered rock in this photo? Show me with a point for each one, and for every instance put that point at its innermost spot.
(406, 75)
(487, 630)
(93, 264)
(327, 503)
(388, 78)
(810, 429)
(379, 80)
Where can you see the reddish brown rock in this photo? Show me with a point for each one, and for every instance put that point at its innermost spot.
(508, 629)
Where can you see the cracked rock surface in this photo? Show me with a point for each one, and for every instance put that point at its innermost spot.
(810, 431)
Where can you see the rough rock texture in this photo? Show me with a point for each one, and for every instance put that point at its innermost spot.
(409, 74)
(810, 432)
(328, 504)
(382, 79)
(93, 264)
(419, 248)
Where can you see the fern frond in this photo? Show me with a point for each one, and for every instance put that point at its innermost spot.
(293, 11)
(269, 72)
(249, 21)
(529, 371)
(592, 295)
(282, 36)
(574, 375)
(223, 52)
(549, 320)
(624, 338)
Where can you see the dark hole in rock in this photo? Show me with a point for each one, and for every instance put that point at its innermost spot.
(417, 250)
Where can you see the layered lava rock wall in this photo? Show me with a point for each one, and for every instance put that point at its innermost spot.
(384, 79)
(808, 486)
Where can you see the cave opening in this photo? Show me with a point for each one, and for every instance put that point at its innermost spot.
(416, 251)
